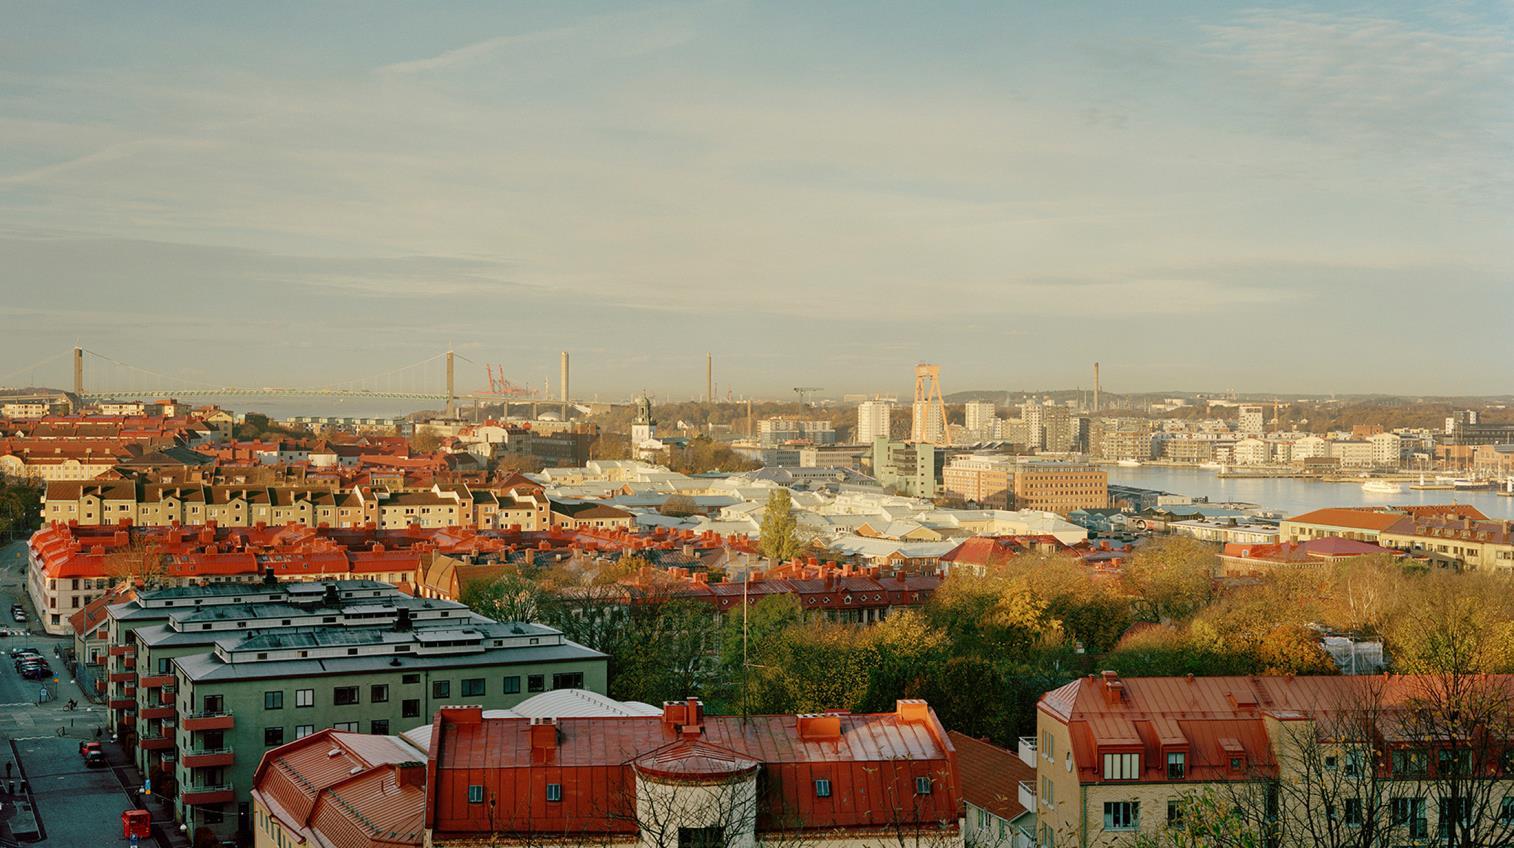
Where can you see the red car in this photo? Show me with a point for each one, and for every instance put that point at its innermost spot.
(87, 748)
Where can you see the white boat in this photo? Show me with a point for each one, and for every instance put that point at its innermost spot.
(1129, 463)
(1382, 487)
(1212, 466)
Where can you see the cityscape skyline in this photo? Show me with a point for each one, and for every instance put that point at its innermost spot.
(820, 199)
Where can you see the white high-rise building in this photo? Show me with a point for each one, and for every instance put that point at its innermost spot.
(979, 416)
(1252, 421)
(927, 424)
(872, 420)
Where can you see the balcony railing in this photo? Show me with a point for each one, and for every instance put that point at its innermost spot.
(209, 758)
(1027, 750)
(209, 721)
(1027, 796)
(122, 650)
(158, 712)
(195, 795)
(157, 681)
(155, 743)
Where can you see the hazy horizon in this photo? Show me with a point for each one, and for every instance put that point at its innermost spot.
(1310, 199)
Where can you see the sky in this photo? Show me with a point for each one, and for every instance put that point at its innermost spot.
(1200, 195)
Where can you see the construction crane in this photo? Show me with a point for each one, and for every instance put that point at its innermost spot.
(804, 392)
(500, 387)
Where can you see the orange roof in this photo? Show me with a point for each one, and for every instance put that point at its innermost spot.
(1356, 519)
(347, 790)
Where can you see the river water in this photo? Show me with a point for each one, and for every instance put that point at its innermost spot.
(1293, 496)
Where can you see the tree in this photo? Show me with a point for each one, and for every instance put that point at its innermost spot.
(679, 506)
(508, 597)
(780, 531)
(140, 561)
(1171, 578)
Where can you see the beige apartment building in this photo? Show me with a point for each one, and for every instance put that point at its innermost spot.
(1461, 542)
(1060, 488)
(160, 505)
(984, 480)
(1117, 759)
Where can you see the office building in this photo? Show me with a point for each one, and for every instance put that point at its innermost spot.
(983, 480)
(1060, 488)
(1252, 420)
(909, 469)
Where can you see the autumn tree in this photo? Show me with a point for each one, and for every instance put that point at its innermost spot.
(679, 506)
(1171, 578)
(508, 597)
(779, 540)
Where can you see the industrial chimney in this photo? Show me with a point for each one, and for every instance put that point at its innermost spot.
(1096, 387)
(565, 385)
(709, 378)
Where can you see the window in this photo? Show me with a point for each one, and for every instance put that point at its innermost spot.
(1456, 763)
(476, 794)
(378, 693)
(922, 786)
(701, 837)
(1174, 813)
(536, 683)
(1353, 812)
(410, 708)
(554, 792)
(304, 698)
(473, 686)
(1122, 815)
(379, 726)
(273, 736)
(303, 730)
(1445, 811)
(441, 688)
(1506, 810)
(214, 704)
(822, 788)
(1409, 813)
(1122, 766)
(1177, 763)
(512, 685)
(568, 680)
(273, 700)
(345, 726)
(165, 666)
(410, 679)
(985, 820)
(344, 696)
(1410, 762)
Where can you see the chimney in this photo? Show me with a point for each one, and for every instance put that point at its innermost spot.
(402, 621)
(410, 774)
(912, 710)
(268, 577)
(543, 739)
(693, 719)
(1096, 387)
(674, 714)
(818, 728)
(330, 598)
(1114, 690)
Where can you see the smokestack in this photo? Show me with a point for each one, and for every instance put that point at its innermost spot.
(709, 378)
(1096, 387)
(565, 385)
(451, 395)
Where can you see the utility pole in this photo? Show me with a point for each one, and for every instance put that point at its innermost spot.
(79, 373)
(564, 385)
(709, 378)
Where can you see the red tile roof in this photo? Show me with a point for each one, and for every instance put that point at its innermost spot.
(345, 790)
(1356, 519)
(990, 775)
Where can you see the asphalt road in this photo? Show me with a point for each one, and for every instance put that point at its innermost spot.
(78, 806)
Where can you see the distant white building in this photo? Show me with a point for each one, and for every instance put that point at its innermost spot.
(979, 416)
(1252, 420)
(872, 421)
(1387, 450)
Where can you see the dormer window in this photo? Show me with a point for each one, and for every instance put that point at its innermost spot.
(1122, 766)
(1177, 765)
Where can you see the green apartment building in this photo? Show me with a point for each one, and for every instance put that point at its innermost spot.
(226, 675)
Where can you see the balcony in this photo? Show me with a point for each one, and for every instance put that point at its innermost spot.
(122, 650)
(128, 719)
(1027, 750)
(195, 795)
(155, 743)
(129, 662)
(166, 696)
(1027, 797)
(159, 712)
(123, 677)
(209, 721)
(156, 681)
(209, 759)
(122, 703)
(99, 686)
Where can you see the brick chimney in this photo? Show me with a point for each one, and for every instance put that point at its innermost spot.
(818, 728)
(1114, 690)
(693, 719)
(543, 739)
(410, 774)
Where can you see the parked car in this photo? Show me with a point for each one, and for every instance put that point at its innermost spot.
(27, 649)
(88, 745)
(36, 672)
(19, 616)
(95, 759)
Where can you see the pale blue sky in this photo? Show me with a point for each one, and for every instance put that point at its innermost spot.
(1202, 195)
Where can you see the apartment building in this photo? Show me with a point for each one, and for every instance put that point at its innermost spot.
(772, 432)
(984, 480)
(234, 505)
(873, 417)
(998, 792)
(1458, 542)
(1119, 758)
(909, 468)
(259, 689)
(1060, 488)
(688, 778)
(1252, 420)
(979, 417)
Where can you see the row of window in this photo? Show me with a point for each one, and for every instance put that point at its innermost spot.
(274, 736)
(378, 693)
(923, 786)
(1407, 812)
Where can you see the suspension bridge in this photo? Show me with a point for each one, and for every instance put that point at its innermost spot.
(431, 379)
